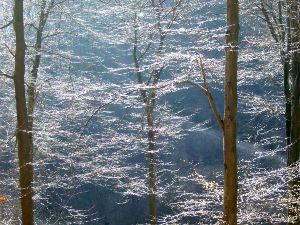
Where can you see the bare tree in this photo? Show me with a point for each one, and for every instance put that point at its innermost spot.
(24, 150)
(152, 79)
(288, 38)
(229, 123)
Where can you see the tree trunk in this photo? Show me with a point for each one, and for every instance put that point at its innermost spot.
(287, 94)
(31, 92)
(230, 153)
(286, 83)
(136, 60)
(149, 109)
(293, 154)
(149, 98)
(24, 150)
(152, 178)
(293, 151)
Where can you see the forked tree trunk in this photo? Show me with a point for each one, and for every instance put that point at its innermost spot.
(149, 98)
(230, 111)
(24, 150)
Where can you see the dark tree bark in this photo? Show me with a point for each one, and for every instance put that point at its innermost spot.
(291, 71)
(282, 36)
(293, 151)
(24, 150)
(230, 111)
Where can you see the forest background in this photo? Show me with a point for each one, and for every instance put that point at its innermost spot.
(119, 129)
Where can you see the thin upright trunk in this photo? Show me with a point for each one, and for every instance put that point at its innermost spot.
(149, 101)
(281, 35)
(149, 96)
(24, 150)
(293, 154)
(286, 81)
(31, 92)
(287, 102)
(150, 105)
(152, 188)
(149, 109)
(230, 153)
(152, 166)
(136, 59)
(293, 151)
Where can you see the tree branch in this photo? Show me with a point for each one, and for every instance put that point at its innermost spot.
(6, 25)
(268, 20)
(210, 100)
(207, 92)
(10, 51)
(205, 89)
(6, 75)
